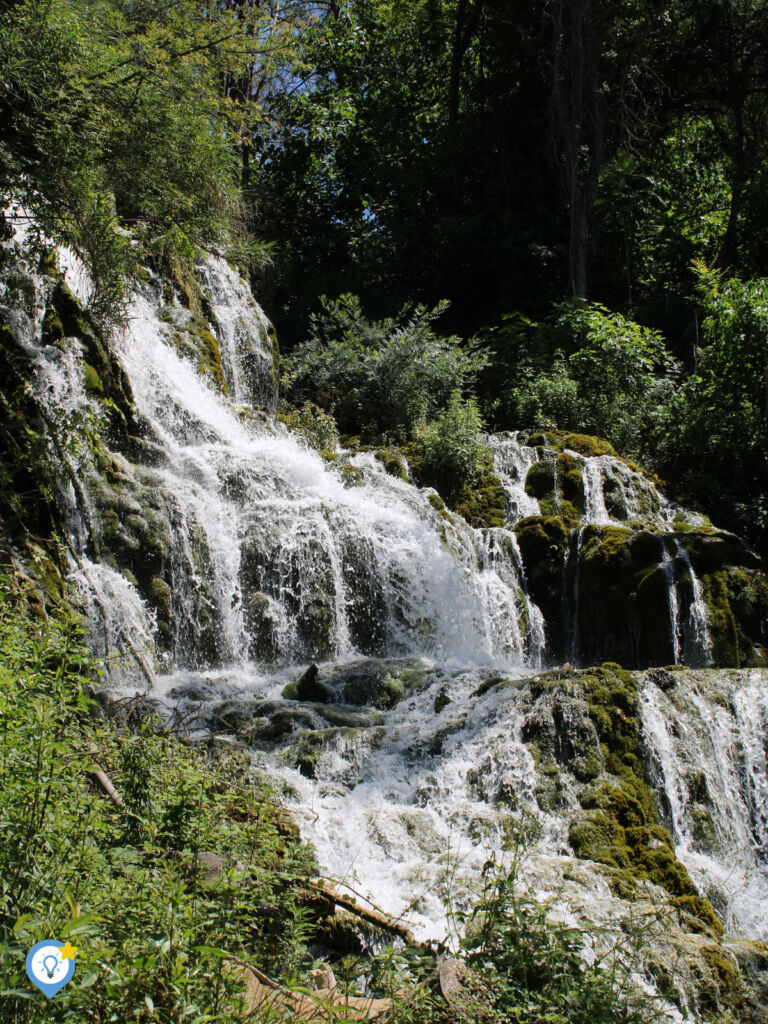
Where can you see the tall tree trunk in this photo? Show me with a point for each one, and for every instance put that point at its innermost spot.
(577, 126)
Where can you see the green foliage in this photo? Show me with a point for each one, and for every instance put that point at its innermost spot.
(538, 969)
(614, 380)
(125, 884)
(116, 116)
(712, 434)
(381, 377)
(317, 427)
(450, 446)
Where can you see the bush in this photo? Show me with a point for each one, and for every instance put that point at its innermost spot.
(450, 447)
(538, 969)
(379, 378)
(712, 435)
(608, 376)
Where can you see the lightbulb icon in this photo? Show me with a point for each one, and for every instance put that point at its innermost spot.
(50, 963)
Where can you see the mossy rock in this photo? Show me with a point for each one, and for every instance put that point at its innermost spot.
(617, 825)
(94, 387)
(393, 461)
(209, 362)
(481, 501)
(543, 542)
(582, 444)
(351, 476)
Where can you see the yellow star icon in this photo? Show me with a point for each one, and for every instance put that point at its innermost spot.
(68, 952)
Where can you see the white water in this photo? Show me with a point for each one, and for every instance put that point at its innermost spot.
(275, 521)
(266, 540)
(511, 462)
(691, 642)
(708, 746)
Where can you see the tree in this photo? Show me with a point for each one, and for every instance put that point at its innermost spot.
(600, 75)
(116, 116)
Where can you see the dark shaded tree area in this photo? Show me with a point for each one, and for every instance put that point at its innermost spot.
(505, 155)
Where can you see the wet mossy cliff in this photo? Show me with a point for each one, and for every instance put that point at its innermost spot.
(583, 728)
(79, 463)
(42, 329)
(628, 593)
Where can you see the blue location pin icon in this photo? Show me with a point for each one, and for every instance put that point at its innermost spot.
(48, 968)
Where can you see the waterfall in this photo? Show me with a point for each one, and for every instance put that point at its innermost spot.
(257, 555)
(697, 644)
(511, 462)
(594, 498)
(707, 752)
(689, 631)
(270, 554)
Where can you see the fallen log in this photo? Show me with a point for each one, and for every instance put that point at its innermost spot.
(369, 915)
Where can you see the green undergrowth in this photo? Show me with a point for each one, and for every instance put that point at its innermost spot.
(130, 885)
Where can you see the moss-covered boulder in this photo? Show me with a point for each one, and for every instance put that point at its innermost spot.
(543, 542)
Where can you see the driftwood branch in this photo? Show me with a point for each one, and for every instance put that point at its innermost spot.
(371, 916)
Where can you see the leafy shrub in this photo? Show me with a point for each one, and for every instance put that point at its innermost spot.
(380, 378)
(450, 447)
(712, 433)
(607, 376)
(318, 428)
(539, 969)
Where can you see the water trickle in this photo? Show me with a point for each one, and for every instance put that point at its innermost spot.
(574, 651)
(689, 631)
(594, 497)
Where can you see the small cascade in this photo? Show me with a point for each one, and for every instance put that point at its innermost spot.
(706, 743)
(243, 332)
(511, 462)
(122, 628)
(594, 497)
(691, 642)
(697, 644)
(668, 566)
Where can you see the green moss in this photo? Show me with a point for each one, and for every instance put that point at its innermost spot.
(721, 623)
(617, 825)
(209, 355)
(482, 502)
(351, 476)
(160, 595)
(587, 445)
(748, 598)
(543, 541)
(93, 385)
(393, 461)
(53, 328)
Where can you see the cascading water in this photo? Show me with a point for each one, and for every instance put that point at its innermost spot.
(691, 642)
(706, 740)
(511, 462)
(267, 557)
(594, 498)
